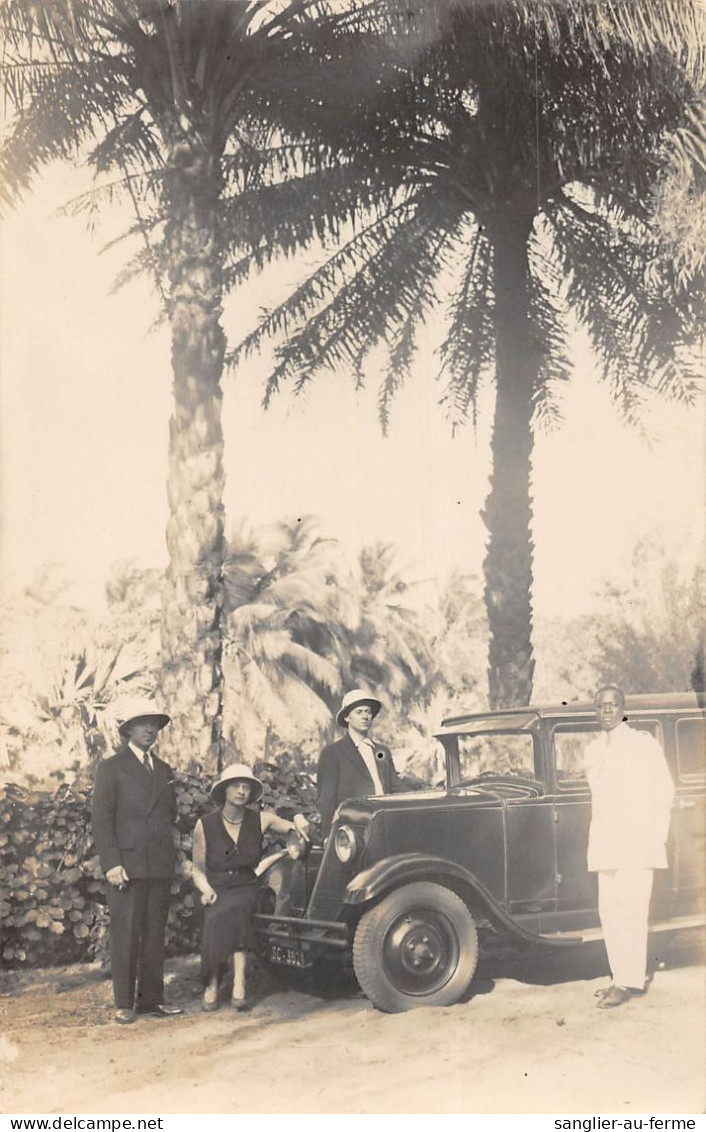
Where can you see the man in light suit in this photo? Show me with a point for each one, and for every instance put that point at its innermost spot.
(354, 766)
(134, 809)
(631, 801)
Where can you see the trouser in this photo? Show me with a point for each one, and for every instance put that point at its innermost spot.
(138, 917)
(623, 906)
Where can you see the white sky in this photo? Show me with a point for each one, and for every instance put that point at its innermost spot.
(85, 400)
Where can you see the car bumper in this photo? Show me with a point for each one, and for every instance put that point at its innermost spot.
(294, 942)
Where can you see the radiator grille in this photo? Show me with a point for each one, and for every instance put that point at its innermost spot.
(327, 898)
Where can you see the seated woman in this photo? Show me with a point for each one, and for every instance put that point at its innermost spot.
(227, 847)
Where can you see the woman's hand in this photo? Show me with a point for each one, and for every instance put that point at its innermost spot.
(208, 895)
(302, 826)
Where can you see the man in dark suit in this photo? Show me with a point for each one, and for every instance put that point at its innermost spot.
(355, 766)
(134, 808)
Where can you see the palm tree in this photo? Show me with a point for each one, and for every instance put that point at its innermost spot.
(281, 671)
(167, 101)
(384, 646)
(509, 155)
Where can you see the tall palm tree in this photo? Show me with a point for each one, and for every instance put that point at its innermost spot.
(168, 104)
(507, 154)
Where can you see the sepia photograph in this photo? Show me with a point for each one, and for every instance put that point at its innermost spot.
(352, 558)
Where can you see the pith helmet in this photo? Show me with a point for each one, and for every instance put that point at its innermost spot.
(131, 710)
(229, 774)
(353, 699)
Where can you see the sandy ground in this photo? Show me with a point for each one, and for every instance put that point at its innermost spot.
(528, 1039)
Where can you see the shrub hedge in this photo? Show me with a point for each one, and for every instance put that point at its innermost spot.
(52, 890)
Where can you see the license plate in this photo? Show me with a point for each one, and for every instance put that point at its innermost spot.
(287, 954)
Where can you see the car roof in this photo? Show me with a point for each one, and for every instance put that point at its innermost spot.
(525, 718)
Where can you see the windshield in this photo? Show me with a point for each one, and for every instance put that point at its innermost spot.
(507, 753)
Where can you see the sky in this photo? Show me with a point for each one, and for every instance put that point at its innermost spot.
(85, 390)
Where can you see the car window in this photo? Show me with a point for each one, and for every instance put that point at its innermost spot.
(496, 754)
(691, 748)
(569, 746)
(570, 743)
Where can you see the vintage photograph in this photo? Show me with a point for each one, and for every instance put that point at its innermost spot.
(353, 573)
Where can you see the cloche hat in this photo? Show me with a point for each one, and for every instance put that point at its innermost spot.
(353, 699)
(229, 774)
(127, 712)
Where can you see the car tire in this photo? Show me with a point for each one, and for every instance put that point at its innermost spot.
(417, 947)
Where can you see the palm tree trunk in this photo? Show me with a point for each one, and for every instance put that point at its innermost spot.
(192, 603)
(508, 563)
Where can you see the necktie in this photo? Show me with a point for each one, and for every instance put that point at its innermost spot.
(147, 762)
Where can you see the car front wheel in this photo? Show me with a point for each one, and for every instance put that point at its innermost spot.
(417, 947)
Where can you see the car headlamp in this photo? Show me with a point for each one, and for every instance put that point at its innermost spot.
(345, 844)
(297, 846)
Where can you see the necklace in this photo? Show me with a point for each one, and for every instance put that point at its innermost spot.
(238, 822)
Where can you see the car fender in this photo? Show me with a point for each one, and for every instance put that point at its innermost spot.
(404, 868)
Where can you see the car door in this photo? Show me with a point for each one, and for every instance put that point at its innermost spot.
(528, 867)
(689, 817)
(577, 889)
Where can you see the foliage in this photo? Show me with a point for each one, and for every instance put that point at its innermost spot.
(650, 637)
(645, 632)
(301, 626)
(680, 199)
(279, 618)
(170, 106)
(508, 157)
(52, 892)
(380, 636)
(72, 713)
(289, 789)
(52, 908)
(453, 633)
(64, 670)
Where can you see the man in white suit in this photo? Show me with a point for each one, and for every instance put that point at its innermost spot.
(631, 801)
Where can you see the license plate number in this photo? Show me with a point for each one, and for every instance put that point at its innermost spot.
(287, 954)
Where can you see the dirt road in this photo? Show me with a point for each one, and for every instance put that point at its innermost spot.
(528, 1039)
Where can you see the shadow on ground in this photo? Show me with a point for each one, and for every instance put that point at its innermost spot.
(79, 996)
(546, 966)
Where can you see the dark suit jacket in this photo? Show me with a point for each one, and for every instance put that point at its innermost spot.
(133, 816)
(342, 774)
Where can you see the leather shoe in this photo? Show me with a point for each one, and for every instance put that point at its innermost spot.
(162, 1010)
(614, 996)
(209, 1006)
(124, 1017)
(603, 991)
(240, 1004)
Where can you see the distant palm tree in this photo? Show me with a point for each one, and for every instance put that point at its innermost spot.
(504, 159)
(168, 103)
(280, 674)
(384, 644)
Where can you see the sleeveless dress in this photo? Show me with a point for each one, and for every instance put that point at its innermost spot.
(230, 869)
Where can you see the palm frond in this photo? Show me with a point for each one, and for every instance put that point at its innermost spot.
(469, 344)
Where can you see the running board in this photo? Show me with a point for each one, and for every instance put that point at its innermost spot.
(676, 925)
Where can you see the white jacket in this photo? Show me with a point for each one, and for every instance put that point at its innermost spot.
(631, 800)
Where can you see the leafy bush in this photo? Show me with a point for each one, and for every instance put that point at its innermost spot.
(52, 890)
(288, 791)
(51, 900)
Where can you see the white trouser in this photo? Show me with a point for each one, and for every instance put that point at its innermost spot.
(623, 906)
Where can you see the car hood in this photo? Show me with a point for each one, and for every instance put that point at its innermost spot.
(495, 791)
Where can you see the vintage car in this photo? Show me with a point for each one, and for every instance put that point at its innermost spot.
(405, 881)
